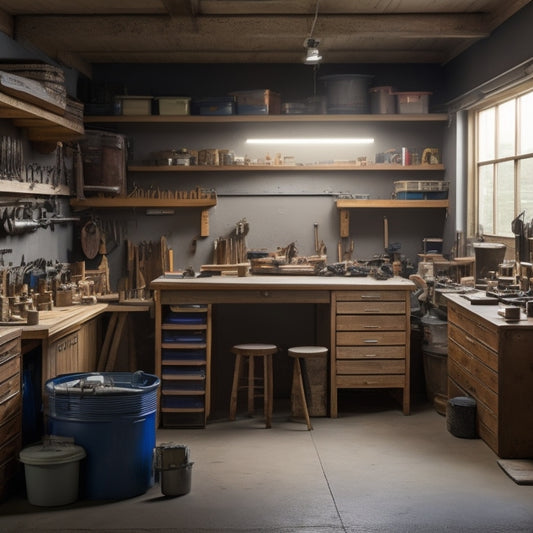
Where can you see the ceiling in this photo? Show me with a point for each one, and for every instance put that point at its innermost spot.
(79, 33)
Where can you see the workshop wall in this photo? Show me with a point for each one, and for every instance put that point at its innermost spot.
(280, 207)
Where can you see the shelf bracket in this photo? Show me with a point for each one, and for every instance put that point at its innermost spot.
(204, 223)
(344, 221)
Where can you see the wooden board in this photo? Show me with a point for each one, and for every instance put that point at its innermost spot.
(519, 470)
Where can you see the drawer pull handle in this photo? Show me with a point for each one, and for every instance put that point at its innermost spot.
(265, 293)
(371, 310)
(370, 355)
(370, 297)
(372, 327)
(470, 339)
(371, 341)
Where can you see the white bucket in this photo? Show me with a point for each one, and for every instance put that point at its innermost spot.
(52, 473)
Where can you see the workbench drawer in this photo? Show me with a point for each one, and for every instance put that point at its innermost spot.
(374, 338)
(9, 430)
(472, 345)
(9, 368)
(371, 352)
(370, 381)
(473, 365)
(370, 296)
(9, 349)
(472, 386)
(371, 308)
(370, 323)
(10, 397)
(473, 326)
(377, 366)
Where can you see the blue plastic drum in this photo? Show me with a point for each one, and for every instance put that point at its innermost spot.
(112, 415)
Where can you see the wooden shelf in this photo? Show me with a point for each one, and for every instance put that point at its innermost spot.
(201, 119)
(283, 168)
(25, 188)
(98, 202)
(40, 125)
(391, 204)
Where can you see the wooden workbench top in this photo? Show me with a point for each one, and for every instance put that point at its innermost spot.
(293, 283)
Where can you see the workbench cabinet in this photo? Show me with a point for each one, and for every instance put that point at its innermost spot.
(491, 361)
(10, 407)
(371, 348)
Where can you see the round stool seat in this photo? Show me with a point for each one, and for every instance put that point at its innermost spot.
(307, 351)
(254, 349)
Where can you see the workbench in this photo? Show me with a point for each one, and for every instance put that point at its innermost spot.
(490, 359)
(364, 322)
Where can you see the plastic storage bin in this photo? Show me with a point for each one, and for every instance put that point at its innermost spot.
(413, 102)
(258, 102)
(51, 471)
(136, 105)
(173, 105)
(421, 190)
(112, 415)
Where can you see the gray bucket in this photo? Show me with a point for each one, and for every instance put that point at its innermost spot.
(174, 469)
(347, 93)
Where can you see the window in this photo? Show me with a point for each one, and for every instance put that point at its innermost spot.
(503, 162)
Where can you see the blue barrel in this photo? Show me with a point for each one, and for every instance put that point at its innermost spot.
(112, 415)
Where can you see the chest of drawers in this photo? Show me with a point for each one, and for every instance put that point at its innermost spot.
(10, 407)
(492, 361)
(371, 348)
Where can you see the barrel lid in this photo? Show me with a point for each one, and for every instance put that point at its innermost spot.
(50, 454)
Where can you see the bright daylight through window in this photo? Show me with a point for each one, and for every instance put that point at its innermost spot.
(504, 161)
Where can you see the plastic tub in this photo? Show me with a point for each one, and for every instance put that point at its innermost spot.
(347, 93)
(112, 415)
(52, 473)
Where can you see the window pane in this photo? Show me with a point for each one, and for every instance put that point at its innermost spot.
(525, 180)
(504, 198)
(486, 190)
(486, 131)
(506, 129)
(526, 117)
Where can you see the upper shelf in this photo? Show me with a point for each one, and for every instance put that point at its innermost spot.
(41, 125)
(383, 203)
(280, 168)
(103, 202)
(213, 119)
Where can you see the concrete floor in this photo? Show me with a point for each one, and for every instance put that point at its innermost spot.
(370, 470)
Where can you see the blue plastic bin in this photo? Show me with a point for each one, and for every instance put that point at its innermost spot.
(112, 416)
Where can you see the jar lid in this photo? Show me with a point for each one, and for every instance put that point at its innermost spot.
(50, 454)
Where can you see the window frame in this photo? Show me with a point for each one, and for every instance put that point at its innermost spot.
(473, 184)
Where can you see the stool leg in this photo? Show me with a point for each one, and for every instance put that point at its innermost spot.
(251, 385)
(235, 388)
(298, 370)
(268, 389)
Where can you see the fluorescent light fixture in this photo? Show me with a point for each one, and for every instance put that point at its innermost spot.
(312, 140)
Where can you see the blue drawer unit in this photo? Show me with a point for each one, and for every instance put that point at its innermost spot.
(184, 358)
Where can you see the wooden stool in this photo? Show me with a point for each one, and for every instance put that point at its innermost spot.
(250, 351)
(301, 353)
